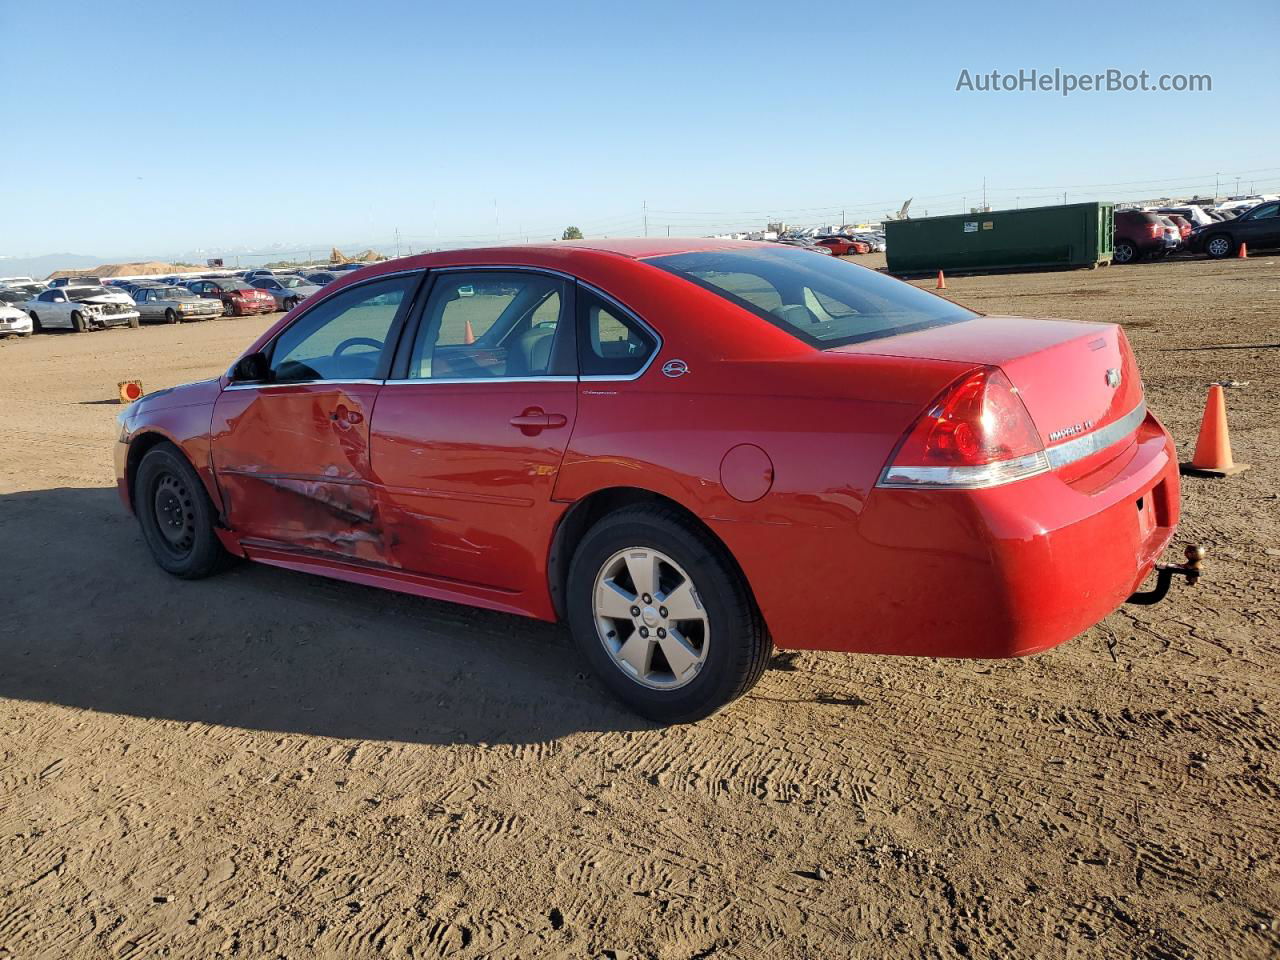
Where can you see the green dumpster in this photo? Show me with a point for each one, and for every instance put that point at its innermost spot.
(1066, 235)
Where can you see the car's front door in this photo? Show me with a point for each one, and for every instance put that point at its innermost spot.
(291, 451)
(54, 309)
(470, 429)
(1261, 229)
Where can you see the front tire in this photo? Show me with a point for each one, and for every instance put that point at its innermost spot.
(176, 515)
(170, 316)
(79, 323)
(663, 616)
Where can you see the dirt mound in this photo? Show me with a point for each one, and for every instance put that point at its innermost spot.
(145, 269)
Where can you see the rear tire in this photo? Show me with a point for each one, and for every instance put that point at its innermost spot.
(1124, 252)
(35, 324)
(1219, 246)
(717, 652)
(176, 515)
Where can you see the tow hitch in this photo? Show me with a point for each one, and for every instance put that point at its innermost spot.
(1165, 572)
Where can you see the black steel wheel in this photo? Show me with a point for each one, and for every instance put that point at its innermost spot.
(176, 515)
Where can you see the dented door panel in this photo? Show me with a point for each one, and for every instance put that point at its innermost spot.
(292, 463)
(464, 492)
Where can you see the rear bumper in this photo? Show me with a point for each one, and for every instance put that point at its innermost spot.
(1002, 572)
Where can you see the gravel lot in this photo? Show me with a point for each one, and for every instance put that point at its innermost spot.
(271, 765)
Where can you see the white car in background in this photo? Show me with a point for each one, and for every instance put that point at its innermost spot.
(15, 322)
(81, 309)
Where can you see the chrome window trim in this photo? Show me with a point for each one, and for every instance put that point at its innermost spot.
(657, 337)
(297, 383)
(1001, 472)
(457, 380)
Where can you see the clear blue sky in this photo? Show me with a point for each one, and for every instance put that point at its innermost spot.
(158, 128)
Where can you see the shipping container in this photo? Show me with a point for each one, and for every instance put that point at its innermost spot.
(1066, 235)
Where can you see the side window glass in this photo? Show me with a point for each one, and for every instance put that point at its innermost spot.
(343, 337)
(485, 324)
(610, 343)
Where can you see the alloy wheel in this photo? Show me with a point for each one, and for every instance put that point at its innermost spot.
(1219, 246)
(650, 619)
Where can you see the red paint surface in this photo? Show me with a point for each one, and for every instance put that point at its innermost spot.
(431, 489)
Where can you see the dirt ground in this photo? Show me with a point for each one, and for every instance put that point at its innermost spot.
(271, 765)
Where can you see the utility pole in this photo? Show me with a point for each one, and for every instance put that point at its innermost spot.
(668, 231)
(1215, 185)
(984, 194)
(1064, 198)
(644, 212)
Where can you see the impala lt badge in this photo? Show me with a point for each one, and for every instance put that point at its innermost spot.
(1070, 431)
(675, 368)
(1114, 376)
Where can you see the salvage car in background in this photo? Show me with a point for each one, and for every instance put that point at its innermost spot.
(843, 246)
(14, 322)
(81, 309)
(1140, 234)
(691, 450)
(238, 299)
(287, 290)
(1258, 228)
(174, 305)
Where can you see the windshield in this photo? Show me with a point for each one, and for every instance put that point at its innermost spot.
(173, 293)
(821, 300)
(84, 293)
(291, 281)
(233, 285)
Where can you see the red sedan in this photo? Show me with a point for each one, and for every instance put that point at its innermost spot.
(238, 299)
(843, 246)
(689, 450)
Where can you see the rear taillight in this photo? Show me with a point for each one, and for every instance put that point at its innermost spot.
(976, 434)
(1155, 230)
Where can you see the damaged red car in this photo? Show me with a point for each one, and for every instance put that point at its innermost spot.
(238, 298)
(691, 451)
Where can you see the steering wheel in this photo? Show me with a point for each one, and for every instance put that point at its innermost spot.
(358, 342)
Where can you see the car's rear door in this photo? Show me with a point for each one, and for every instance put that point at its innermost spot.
(470, 429)
(291, 452)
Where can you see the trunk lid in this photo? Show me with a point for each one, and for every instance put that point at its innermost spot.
(1074, 378)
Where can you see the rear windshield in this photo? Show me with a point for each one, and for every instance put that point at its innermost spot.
(821, 300)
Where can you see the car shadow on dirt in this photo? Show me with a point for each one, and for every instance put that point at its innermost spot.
(92, 623)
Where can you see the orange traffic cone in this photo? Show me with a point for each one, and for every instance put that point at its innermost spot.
(1244, 251)
(1213, 448)
(470, 335)
(942, 281)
